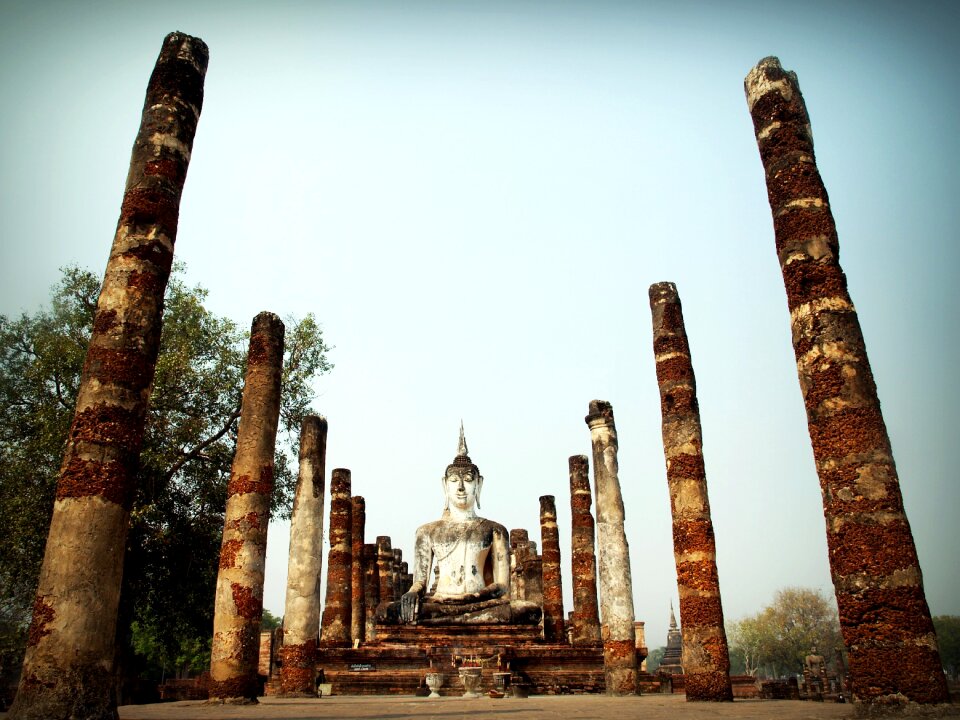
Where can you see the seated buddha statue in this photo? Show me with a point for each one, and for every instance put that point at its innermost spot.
(470, 558)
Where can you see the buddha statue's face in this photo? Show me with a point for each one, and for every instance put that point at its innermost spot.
(461, 486)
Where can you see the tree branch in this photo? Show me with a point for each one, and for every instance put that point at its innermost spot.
(196, 452)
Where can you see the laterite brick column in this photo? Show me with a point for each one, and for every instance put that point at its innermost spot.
(705, 659)
(518, 550)
(358, 599)
(337, 615)
(553, 630)
(586, 619)
(385, 568)
(67, 670)
(238, 606)
(301, 620)
(616, 585)
(883, 611)
(397, 579)
(371, 590)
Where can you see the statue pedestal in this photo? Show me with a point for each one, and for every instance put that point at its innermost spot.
(466, 636)
(399, 661)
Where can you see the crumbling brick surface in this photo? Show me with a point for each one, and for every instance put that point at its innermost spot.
(89, 478)
(298, 671)
(883, 611)
(247, 603)
(43, 615)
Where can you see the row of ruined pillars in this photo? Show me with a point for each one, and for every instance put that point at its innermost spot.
(884, 616)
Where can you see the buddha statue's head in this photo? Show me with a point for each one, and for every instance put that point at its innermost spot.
(462, 480)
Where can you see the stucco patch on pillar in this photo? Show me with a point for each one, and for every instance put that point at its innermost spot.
(301, 619)
(239, 599)
(337, 615)
(616, 584)
(553, 625)
(706, 662)
(884, 617)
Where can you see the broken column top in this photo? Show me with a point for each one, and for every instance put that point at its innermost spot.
(664, 292)
(518, 535)
(599, 410)
(769, 76)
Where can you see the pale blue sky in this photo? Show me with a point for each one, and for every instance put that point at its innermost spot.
(474, 198)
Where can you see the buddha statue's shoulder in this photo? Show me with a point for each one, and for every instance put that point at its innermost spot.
(493, 525)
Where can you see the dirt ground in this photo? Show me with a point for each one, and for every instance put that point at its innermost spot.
(559, 707)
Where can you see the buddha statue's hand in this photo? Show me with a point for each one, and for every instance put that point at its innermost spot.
(408, 606)
(493, 590)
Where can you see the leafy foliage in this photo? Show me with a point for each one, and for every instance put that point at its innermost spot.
(655, 658)
(776, 640)
(177, 517)
(948, 636)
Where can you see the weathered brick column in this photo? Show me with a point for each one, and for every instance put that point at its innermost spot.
(238, 606)
(883, 611)
(518, 539)
(67, 670)
(616, 585)
(337, 614)
(586, 619)
(532, 575)
(301, 620)
(358, 599)
(371, 590)
(395, 572)
(705, 659)
(385, 568)
(553, 630)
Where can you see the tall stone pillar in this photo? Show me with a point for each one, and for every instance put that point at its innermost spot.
(337, 615)
(705, 659)
(67, 669)
(358, 603)
(395, 579)
(238, 606)
(616, 585)
(518, 537)
(385, 568)
(586, 619)
(371, 590)
(301, 619)
(553, 630)
(884, 616)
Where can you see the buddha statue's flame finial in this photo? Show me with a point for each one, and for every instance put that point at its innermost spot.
(463, 457)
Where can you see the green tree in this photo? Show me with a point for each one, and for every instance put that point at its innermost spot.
(170, 566)
(655, 658)
(776, 640)
(269, 621)
(948, 636)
